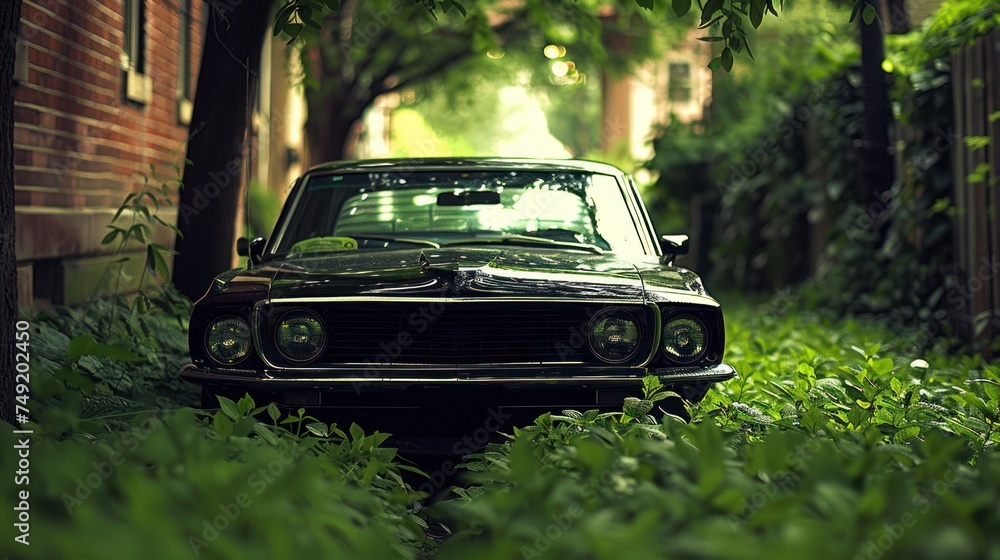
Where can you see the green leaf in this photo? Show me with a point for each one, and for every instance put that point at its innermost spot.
(757, 8)
(161, 268)
(318, 428)
(883, 366)
(111, 236)
(222, 424)
(814, 420)
(711, 6)
(636, 408)
(84, 345)
(356, 432)
(141, 304)
(906, 434)
(976, 142)
(229, 407)
(868, 14)
(245, 405)
(858, 417)
(855, 10)
(273, 412)
(990, 388)
(681, 7)
(896, 385)
(715, 64)
(727, 59)
(266, 434)
(645, 4)
(292, 30)
(73, 377)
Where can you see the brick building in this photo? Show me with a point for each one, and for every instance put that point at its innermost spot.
(102, 91)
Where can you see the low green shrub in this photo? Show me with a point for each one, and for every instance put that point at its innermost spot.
(835, 441)
(829, 444)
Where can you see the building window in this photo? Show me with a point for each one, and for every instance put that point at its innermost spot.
(679, 82)
(184, 78)
(138, 85)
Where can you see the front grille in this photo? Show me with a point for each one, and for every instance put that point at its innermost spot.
(460, 333)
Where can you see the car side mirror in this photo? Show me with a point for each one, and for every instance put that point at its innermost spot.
(254, 249)
(673, 245)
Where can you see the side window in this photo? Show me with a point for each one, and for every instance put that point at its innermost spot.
(138, 85)
(184, 78)
(613, 217)
(679, 82)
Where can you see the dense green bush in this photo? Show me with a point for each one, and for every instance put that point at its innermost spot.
(157, 340)
(773, 157)
(829, 445)
(775, 174)
(835, 440)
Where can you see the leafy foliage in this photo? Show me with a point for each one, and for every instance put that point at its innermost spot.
(729, 19)
(222, 485)
(834, 440)
(786, 208)
(136, 362)
(752, 169)
(141, 209)
(827, 445)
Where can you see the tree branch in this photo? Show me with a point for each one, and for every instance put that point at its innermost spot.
(381, 85)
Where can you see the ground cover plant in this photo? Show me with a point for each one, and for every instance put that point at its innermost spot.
(836, 440)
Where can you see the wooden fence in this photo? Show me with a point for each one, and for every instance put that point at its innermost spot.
(975, 302)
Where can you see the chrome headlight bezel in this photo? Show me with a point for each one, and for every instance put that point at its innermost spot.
(666, 330)
(604, 314)
(320, 346)
(207, 343)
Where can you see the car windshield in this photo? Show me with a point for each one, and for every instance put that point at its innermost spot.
(371, 211)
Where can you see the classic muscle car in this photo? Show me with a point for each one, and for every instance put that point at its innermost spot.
(423, 289)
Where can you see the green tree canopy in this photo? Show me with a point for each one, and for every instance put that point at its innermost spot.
(355, 51)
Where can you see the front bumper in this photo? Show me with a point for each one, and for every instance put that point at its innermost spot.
(453, 402)
(510, 377)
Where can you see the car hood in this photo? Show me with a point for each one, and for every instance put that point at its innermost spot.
(462, 272)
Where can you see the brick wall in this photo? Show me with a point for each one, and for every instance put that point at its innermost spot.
(80, 145)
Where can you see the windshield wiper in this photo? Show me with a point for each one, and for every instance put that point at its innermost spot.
(515, 239)
(423, 242)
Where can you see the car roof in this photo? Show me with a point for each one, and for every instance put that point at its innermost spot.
(467, 163)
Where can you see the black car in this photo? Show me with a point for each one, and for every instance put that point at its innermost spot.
(424, 291)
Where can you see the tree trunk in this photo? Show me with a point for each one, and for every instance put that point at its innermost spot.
(213, 183)
(876, 158)
(898, 17)
(334, 146)
(329, 126)
(10, 17)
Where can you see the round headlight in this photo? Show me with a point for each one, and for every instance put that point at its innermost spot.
(300, 336)
(684, 339)
(614, 335)
(227, 340)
